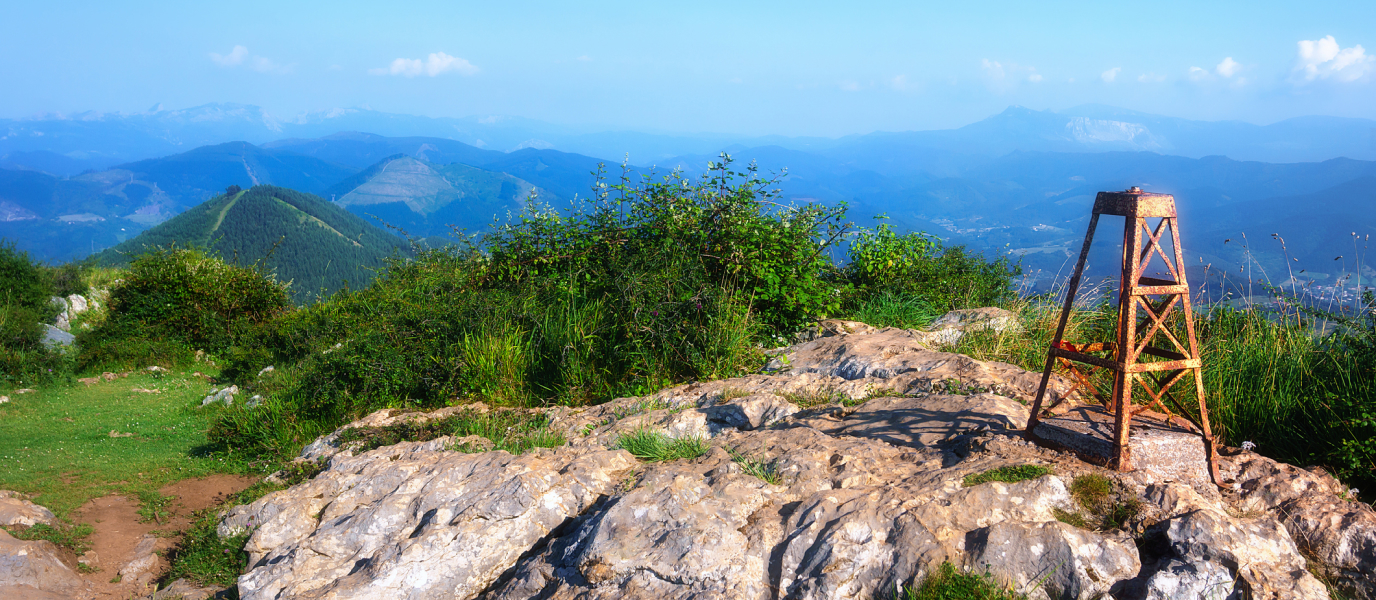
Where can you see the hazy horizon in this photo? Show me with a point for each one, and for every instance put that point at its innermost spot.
(710, 69)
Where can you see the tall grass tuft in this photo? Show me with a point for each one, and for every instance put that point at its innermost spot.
(1301, 396)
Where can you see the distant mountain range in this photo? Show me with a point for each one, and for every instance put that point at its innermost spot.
(69, 144)
(1020, 182)
(311, 243)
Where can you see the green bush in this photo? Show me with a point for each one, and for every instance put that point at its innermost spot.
(916, 272)
(26, 288)
(70, 278)
(643, 285)
(177, 300)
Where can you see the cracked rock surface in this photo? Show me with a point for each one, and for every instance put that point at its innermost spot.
(840, 474)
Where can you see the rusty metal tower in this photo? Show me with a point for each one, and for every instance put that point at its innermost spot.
(1144, 306)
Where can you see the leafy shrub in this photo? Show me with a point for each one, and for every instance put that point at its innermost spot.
(643, 285)
(70, 278)
(25, 290)
(917, 270)
(175, 300)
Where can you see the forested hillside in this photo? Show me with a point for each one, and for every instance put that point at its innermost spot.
(305, 240)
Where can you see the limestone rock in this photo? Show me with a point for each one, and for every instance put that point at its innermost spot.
(139, 569)
(183, 589)
(34, 569)
(406, 522)
(224, 396)
(1213, 553)
(15, 510)
(1051, 559)
(839, 475)
(1340, 533)
(54, 337)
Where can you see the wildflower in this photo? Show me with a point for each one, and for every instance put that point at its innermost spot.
(1248, 445)
(226, 550)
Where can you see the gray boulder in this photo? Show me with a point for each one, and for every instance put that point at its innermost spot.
(55, 338)
(34, 569)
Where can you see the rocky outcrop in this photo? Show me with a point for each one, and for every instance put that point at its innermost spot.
(844, 472)
(34, 569)
(16, 510)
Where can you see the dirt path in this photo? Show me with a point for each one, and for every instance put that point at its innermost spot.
(118, 530)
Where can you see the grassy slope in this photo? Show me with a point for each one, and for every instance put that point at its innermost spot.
(55, 443)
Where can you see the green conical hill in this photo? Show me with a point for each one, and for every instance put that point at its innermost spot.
(315, 245)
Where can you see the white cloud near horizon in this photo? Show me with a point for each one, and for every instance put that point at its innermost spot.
(1228, 67)
(1111, 74)
(435, 64)
(239, 55)
(1325, 59)
(235, 57)
(1150, 78)
(1004, 77)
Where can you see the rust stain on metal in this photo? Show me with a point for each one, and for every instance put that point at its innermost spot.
(1145, 305)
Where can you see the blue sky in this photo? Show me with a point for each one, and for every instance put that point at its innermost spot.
(790, 68)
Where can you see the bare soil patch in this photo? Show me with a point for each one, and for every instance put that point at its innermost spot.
(118, 530)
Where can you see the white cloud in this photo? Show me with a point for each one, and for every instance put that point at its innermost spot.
(239, 56)
(849, 86)
(1198, 74)
(1228, 67)
(435, 64)
(1003, 77)
(1325, 59)
(235, 57)
(584, 58)
(1111, 74)
(1151, 78)
(992, 68)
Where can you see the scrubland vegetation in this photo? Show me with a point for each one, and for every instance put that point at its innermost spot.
(644, 284)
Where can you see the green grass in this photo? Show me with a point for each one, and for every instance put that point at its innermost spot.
(153, 506)
(71, 537)
(1301, 398)
(55, 443)
(206, 558)
(514, 431)
(814, 398)
(649, 445)
(1010, 474)
(766, 470)
(887, 309)
(949, 583)
(1104, 506)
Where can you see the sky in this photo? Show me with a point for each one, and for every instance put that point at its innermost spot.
(742, 68)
